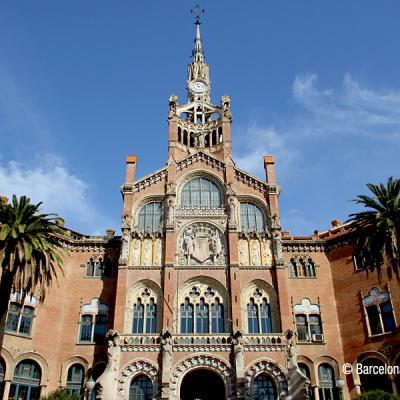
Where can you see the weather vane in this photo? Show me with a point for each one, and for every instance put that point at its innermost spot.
(198, 11)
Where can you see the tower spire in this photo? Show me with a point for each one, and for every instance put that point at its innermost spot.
(198, 72)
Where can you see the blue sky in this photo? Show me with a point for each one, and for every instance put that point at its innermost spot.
(84, 83)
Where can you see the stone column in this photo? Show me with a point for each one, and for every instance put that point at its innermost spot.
(6, 392)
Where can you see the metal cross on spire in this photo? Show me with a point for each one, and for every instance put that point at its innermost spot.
(198, 11)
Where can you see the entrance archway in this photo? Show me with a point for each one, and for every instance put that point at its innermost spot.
(202, 384)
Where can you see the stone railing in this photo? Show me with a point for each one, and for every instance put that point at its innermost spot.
(200, 212)
(205, 342)
(143, 342)
(265, 342)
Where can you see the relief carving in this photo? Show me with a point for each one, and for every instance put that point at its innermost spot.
(201, 243)
(243, 252)
(255, 252)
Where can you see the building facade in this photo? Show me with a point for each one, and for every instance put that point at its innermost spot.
(203, 296)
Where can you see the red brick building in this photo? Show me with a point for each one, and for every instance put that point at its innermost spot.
(202, 292)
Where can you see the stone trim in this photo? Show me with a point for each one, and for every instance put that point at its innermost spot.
(221, 367)
(138, 367)
(270, 368)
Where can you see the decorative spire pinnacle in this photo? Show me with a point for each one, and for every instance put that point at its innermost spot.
(198, 72)
(198, 50)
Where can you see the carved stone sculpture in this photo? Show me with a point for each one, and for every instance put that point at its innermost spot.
(158, 251)
(243, 252)
(136, 252)
(170, 212)
(201, 243)
(226, 107)
(267, 252)
(107, 382)
(232, 212)
(123, 260)
(255, 252)
(173, 103)
(147, 252)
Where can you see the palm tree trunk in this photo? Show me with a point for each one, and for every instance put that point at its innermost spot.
(5, 290)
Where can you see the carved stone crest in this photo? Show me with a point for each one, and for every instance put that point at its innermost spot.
(201, 243)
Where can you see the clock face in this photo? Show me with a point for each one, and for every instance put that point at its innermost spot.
(198, 87)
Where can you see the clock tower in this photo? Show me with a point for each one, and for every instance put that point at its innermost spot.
(199, 125)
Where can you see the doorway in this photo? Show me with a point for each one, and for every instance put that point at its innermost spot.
(202, 384)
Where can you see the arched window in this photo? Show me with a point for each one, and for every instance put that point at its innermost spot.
(263, 388)
(19, 319)
(141, 388)
(151, 317)
(302, 268)
(252, 317)
(251, 218)
(2, 373)
(217, 317)
(379, 311)
(306, 372)
(93, 322)
(202, 318)
(179, 134)
(265, 317)
(186, 317)
(200, 192)
(308, 322)
(138, 317)
(26, 381)
(76, 375)
(150, 217)
(327, 383)
(203, 310)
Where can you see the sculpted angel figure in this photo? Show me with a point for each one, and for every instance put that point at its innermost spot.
(216, 244)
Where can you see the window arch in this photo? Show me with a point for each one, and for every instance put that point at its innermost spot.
(327, 383)
(202, 311)
(308, 322)
(264, 388)
(259, 315)
(302, 267)
(251, 218)
(144, 319)
(379, 312)
(20, 314)
(26, 381)
(75, 378)
(141, 388)
(150, 217)
(201, 192)
(93, 322)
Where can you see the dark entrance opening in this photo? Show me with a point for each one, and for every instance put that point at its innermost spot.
(202, 384)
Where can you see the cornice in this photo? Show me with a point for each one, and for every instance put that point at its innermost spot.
(303, 245)
(145, 182)
(256, 183)
(201, 157)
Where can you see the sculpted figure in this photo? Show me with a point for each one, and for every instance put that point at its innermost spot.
(147, 250)
(243, 252)
(200, 139)
(136, 252)
(188, 242)
(216, 245)
(158, 252)
(267, 252)
(173, 102)
(226, 106)
(255, 252)
(232, 211)
(124, 247)
(170, 212)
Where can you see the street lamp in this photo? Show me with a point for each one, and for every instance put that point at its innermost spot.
(340, 384)
(90, 384)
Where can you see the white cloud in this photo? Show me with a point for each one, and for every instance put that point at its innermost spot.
(61, 192)
(350, 110)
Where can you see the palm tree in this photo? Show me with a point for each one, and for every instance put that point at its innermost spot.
(376, 234)
(31, 251)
